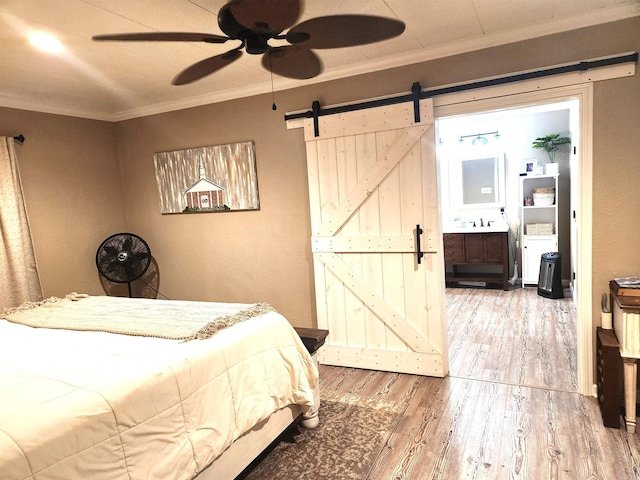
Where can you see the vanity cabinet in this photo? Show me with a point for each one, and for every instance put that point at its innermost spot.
(453, 248)
(476, 249)
(484, 248)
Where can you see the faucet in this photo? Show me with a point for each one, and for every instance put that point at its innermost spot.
(489, 222)
(481, 223)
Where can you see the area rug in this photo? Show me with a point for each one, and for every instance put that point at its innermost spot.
(352, 432)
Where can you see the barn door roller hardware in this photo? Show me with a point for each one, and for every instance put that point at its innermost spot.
(418, 94)
(317, 112)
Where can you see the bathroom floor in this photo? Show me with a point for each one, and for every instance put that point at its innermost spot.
(515, 337)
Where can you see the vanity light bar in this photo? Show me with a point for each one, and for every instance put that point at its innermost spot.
(479, 137)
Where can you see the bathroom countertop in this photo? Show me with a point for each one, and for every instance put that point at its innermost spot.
(496, 227)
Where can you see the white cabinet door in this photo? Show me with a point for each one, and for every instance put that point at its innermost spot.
(533, 246)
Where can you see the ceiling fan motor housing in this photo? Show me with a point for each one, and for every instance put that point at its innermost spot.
(254, 40)
(256, 44)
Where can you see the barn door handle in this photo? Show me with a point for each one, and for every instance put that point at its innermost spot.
(419, 252)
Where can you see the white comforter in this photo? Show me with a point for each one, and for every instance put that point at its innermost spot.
(85, 405)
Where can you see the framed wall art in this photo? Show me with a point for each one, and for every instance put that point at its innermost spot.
(529, 166)
(208, 179)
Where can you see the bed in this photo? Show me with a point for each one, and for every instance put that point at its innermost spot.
(115, 388)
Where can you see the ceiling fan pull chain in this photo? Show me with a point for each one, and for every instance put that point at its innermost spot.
(274, 107)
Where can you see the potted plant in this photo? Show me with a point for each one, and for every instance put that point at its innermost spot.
(550, 143)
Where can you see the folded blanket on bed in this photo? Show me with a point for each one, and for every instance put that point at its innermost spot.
(185, 320)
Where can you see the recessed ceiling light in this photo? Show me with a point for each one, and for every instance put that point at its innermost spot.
(45, 42)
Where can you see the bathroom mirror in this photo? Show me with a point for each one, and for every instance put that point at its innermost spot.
(478, 182)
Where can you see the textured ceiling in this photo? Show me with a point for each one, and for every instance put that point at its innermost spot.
(118, 80)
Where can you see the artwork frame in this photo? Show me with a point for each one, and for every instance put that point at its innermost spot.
(529, 166)
(208, 179)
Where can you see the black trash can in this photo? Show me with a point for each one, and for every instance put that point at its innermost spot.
(549, 281)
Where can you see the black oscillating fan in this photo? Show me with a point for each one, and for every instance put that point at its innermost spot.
(123, 258)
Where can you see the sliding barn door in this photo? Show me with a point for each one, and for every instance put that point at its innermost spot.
(373, 197)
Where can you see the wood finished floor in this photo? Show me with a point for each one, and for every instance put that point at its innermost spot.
(515, 337)
(509, 408)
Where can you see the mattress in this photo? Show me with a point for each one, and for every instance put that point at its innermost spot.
(87, 404)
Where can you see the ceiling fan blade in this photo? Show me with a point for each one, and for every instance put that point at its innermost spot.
(266, 16)
(206, 67)
(163, 37)
(292, 62)
(337, 31)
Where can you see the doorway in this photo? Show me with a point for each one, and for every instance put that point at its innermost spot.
(508, 134)
(512, 336)
(575, 103)
(529, 93)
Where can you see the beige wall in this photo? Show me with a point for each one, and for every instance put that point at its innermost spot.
(265, 255)
(226, 256)
(616, 185)
(73, 192)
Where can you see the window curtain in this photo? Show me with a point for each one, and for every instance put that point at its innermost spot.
(19, 280)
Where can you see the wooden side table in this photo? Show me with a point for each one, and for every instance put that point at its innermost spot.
(625, 304)
(313, 339)
(609, 376)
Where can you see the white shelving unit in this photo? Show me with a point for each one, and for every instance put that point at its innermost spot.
(539, 231)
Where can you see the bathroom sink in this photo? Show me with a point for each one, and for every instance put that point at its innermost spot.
(497, 226)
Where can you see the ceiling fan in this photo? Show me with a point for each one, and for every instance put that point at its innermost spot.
(256, 22)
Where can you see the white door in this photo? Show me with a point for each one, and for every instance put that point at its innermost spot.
(533, 246)
(372, 189)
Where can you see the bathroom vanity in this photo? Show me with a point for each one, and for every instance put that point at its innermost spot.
(475, 250)
(468, 248)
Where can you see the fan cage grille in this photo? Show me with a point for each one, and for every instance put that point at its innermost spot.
(123, 257)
